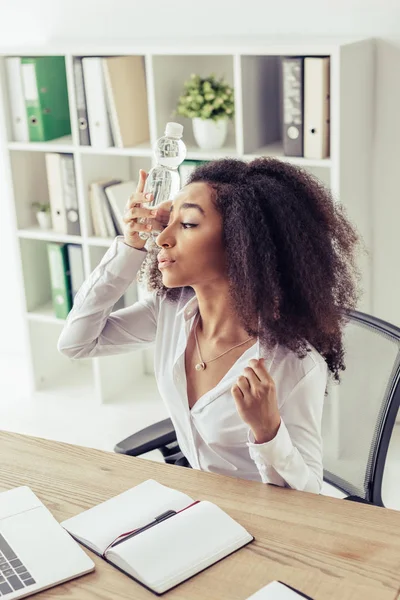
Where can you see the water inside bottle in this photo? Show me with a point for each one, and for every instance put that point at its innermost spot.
(163, 180)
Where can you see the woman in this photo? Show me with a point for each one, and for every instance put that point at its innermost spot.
(249, 276)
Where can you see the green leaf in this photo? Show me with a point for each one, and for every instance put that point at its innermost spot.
(206, 97)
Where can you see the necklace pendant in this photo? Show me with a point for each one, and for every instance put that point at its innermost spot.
(200, 366)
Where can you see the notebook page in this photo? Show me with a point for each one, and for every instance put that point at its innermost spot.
(99, 526)
(183, 545)
(276, 591)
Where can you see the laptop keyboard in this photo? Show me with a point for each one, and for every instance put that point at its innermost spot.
(13, 574)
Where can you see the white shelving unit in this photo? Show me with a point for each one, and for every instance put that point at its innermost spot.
(252, 67)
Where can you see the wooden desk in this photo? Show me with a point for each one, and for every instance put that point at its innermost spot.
(326, 547)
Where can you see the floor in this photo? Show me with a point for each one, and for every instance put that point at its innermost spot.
(71, 419)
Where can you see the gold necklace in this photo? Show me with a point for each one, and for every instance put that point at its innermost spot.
(202, 364)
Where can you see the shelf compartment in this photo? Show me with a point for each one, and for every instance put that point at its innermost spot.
(52, 370)
(44, 313)
(97, 167)
(30, 185)
(170, 73)
(37, 281)
(262, 110)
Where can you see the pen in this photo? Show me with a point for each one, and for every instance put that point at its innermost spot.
(162, 517)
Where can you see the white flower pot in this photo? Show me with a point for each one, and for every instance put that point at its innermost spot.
(44, 219)
(209, 134)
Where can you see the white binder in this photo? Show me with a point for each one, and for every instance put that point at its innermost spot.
(17, 99)
(62, 193)
(70, 194)
(99, 122)
(316, 107)
(76, 268)
(55, 184)
(81, 108)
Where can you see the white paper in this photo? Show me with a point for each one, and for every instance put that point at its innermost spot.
(275, 591)
(179, 547)
(102, 524)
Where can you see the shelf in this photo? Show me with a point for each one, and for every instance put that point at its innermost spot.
(298, 44)
(252, 68)
(195, 153)
(73, 384)
(273, 150)
(65, 145)
(62, 144)
(44, 314)
(47, 235)
(276, 151)
(140, 150)
(98, 241)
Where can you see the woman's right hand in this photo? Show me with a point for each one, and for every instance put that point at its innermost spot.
(135, 212)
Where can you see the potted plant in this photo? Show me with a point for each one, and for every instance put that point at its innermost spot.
(209, 102)
(42, 211)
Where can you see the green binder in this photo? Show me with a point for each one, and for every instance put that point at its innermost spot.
(60, 279)
(46, 97)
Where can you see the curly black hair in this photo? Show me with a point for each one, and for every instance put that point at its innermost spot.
(291, 255)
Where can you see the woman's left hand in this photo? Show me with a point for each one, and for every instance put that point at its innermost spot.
(256, 403)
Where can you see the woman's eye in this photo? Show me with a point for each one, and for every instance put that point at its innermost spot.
(190, 225)
(184, 225)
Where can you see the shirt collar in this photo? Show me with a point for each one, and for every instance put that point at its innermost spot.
(189, 309)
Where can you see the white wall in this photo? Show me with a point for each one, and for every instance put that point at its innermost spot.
(128, 19)
(11, 323)
(386, 209)
(24, 22)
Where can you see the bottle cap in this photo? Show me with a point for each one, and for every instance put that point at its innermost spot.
(174, 130)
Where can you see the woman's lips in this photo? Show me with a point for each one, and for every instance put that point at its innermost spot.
(165, 263)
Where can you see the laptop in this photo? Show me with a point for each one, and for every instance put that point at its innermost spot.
(35, 551)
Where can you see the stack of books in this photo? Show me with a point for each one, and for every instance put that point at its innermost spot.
(108, 199)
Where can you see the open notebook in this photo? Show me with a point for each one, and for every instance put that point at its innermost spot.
(158, 536)
(276, 590)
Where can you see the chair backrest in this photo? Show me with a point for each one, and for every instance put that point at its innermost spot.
(360, 412)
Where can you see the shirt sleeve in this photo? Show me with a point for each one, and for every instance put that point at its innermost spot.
(91, 329)
(294, 457)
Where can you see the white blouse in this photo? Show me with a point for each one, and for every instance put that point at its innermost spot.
(211, 435)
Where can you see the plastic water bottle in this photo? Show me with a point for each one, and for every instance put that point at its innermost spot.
(163, 180)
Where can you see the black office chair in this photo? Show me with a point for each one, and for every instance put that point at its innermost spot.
(358, 420)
